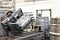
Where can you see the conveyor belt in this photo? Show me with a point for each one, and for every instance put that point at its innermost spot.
(28, 35)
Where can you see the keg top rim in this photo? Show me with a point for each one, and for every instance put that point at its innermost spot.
(53, 33)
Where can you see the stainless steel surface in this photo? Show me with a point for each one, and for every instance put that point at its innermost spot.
(43, 22)
(31, 35)
(6, 20)
(25, 36)
(24, 21)
(55, 20)
(54, 36)
(55, 25)
(55, 29)
(18, 13)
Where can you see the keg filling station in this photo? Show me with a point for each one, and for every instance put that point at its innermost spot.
(22, 26)
(29, 20)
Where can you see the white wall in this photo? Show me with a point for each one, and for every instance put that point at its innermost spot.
(56, 8)
(32, 6)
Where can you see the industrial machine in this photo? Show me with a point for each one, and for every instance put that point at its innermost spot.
(15, 16)
(19, 26)
(16, 23)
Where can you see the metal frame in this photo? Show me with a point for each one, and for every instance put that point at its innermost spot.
(45, 10)
(41, 15)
